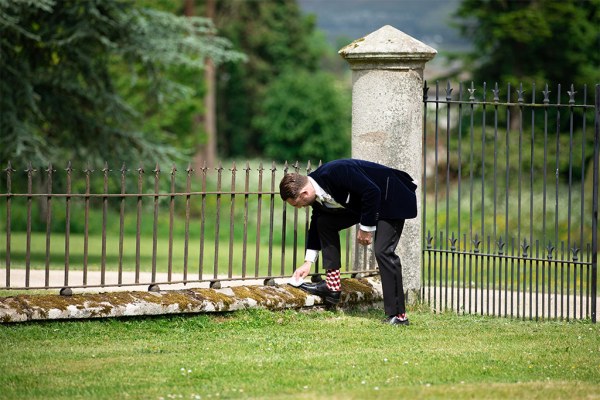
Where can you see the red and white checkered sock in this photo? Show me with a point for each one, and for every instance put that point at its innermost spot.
(333, 280)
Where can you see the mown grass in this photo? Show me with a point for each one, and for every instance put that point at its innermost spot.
(237, 260)
(128, 258)
(306, 355)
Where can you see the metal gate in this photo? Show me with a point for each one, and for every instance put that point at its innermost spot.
(510, 201)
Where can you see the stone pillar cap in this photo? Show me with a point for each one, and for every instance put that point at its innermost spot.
(387, 44)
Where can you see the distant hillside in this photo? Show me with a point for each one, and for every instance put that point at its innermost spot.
(425, 20)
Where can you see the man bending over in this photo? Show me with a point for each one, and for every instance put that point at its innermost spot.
(343, 193)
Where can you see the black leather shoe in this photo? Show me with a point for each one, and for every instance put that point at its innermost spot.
(320, 289)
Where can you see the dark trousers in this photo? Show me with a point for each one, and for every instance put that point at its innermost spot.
(386, 238)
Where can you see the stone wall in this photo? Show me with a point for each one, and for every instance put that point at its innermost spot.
(22, 308)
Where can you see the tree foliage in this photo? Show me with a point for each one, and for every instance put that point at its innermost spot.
(80, 78)
(533, 41)
(276, 37)
(305, 117)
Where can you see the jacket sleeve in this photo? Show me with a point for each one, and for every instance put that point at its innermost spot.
(370, 196)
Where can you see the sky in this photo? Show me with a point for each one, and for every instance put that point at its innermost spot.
(425, 20)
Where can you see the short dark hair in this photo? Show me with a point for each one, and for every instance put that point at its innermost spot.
(291, 185)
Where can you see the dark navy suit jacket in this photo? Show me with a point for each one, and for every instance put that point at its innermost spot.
(369, 190)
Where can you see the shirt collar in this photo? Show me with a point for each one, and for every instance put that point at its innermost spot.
(319, 192)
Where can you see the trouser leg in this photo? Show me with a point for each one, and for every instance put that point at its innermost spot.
(329, 229)
(387, 237)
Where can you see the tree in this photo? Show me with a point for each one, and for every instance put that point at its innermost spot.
(533, 40)
(305, 117)
(275, 36)
(206, 152)
(80, 79)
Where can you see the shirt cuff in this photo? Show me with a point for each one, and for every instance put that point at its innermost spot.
(311, 255)
(367, 228)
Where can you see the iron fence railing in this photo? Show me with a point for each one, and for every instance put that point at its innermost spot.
(510, 209)
(87, 229)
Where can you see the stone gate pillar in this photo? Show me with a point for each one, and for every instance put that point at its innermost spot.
(387, 121)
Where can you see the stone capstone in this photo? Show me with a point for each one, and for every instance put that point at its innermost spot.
(387, 48)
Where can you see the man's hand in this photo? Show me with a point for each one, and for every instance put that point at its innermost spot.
(364, 238)
(303, 270)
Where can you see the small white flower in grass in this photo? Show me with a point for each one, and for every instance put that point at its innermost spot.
(405, 362)
(376, 388)
(305, 387)
(363, 382)
(385, 360)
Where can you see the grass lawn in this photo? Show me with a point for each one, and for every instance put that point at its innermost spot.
(306, 355)
(76, 254)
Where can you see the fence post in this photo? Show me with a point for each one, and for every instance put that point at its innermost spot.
(387, 120)
(594, 288)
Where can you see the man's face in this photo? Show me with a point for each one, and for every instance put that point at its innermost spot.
(303, 200)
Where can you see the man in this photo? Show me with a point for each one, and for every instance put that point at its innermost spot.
(343, 193)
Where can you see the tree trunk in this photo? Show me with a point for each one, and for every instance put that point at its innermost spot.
(207, 152)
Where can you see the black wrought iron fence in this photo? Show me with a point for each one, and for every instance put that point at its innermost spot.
(510, 209)
(80, 228)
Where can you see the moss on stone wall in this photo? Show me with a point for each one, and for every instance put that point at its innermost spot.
(95, 305)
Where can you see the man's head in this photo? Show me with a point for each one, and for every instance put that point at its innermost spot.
(296, 190)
